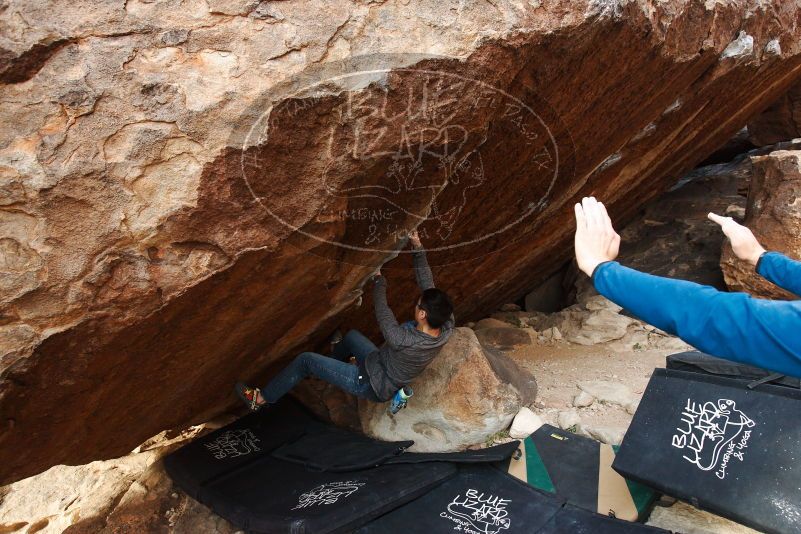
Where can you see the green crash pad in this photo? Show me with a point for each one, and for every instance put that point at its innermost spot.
(579, 469)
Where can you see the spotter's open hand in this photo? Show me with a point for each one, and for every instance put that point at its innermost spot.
(596, 239)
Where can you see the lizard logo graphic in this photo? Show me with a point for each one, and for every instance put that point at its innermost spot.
(391, 149)
(485, 513)
(712, 433)
(423, 164)
(233, 443)
(328, 493)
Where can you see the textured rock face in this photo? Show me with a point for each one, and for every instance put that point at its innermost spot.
(192, 192)
(780, 122)
(128, 494)
(773, 216)
(462, 398)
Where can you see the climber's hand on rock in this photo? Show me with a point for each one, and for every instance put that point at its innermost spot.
(375, 277)
(743, 242)
(596, 239)
(414, 239)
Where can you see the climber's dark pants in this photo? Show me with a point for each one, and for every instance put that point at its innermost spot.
(333, 370)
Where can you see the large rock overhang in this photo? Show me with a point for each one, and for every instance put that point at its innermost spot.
(272, 248)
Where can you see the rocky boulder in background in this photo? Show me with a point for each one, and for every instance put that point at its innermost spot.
(462, 398)
(194, 191)
(503, 338)
(673, 236)
(773, 215)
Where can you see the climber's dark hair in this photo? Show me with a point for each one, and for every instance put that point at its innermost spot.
(437, 306)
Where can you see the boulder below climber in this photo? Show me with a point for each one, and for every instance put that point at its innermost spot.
(462, 398)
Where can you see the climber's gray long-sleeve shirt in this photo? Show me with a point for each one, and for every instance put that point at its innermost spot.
(407, 351)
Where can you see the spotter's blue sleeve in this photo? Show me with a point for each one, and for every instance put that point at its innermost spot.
(735, 326)
(781, 270)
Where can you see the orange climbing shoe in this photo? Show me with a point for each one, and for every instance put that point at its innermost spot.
(249, 396)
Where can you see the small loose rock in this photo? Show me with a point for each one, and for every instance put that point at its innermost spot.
(583, 399)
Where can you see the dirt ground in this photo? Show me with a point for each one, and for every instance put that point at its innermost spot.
(560, 367)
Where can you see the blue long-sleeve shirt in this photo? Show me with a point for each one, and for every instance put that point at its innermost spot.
(734, 326)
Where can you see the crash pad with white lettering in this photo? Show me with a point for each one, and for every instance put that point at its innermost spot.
(483, 499)
(280, 470)
(720, 445)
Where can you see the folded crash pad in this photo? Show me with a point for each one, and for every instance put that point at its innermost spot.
(699, 362)
(482, 499)
(720, 445)
(328, 448)
(579, 470)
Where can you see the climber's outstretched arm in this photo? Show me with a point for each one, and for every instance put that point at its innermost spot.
(393, 333)
(422, 272)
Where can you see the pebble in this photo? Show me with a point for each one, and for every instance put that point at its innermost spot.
(583, 399)
(525, 423)
(608, 392)
(610, 436)
(569, 419)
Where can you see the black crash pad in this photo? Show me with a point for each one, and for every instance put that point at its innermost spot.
(699, 362)
(236, 445)
(721, 446)
(574, 520)
(327, 448)
(272, 496)
(494, 454)
(279, 470)
(482, 499)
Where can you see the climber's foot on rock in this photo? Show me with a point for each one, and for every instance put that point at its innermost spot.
(400, 399)
(250, 396)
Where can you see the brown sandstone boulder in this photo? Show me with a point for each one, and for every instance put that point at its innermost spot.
(773, 215)
(462, 398)
(131, 494)
(193, 192)
(595, 325)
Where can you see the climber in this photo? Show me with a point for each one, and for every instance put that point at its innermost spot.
(734, 326)
(379, 374)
